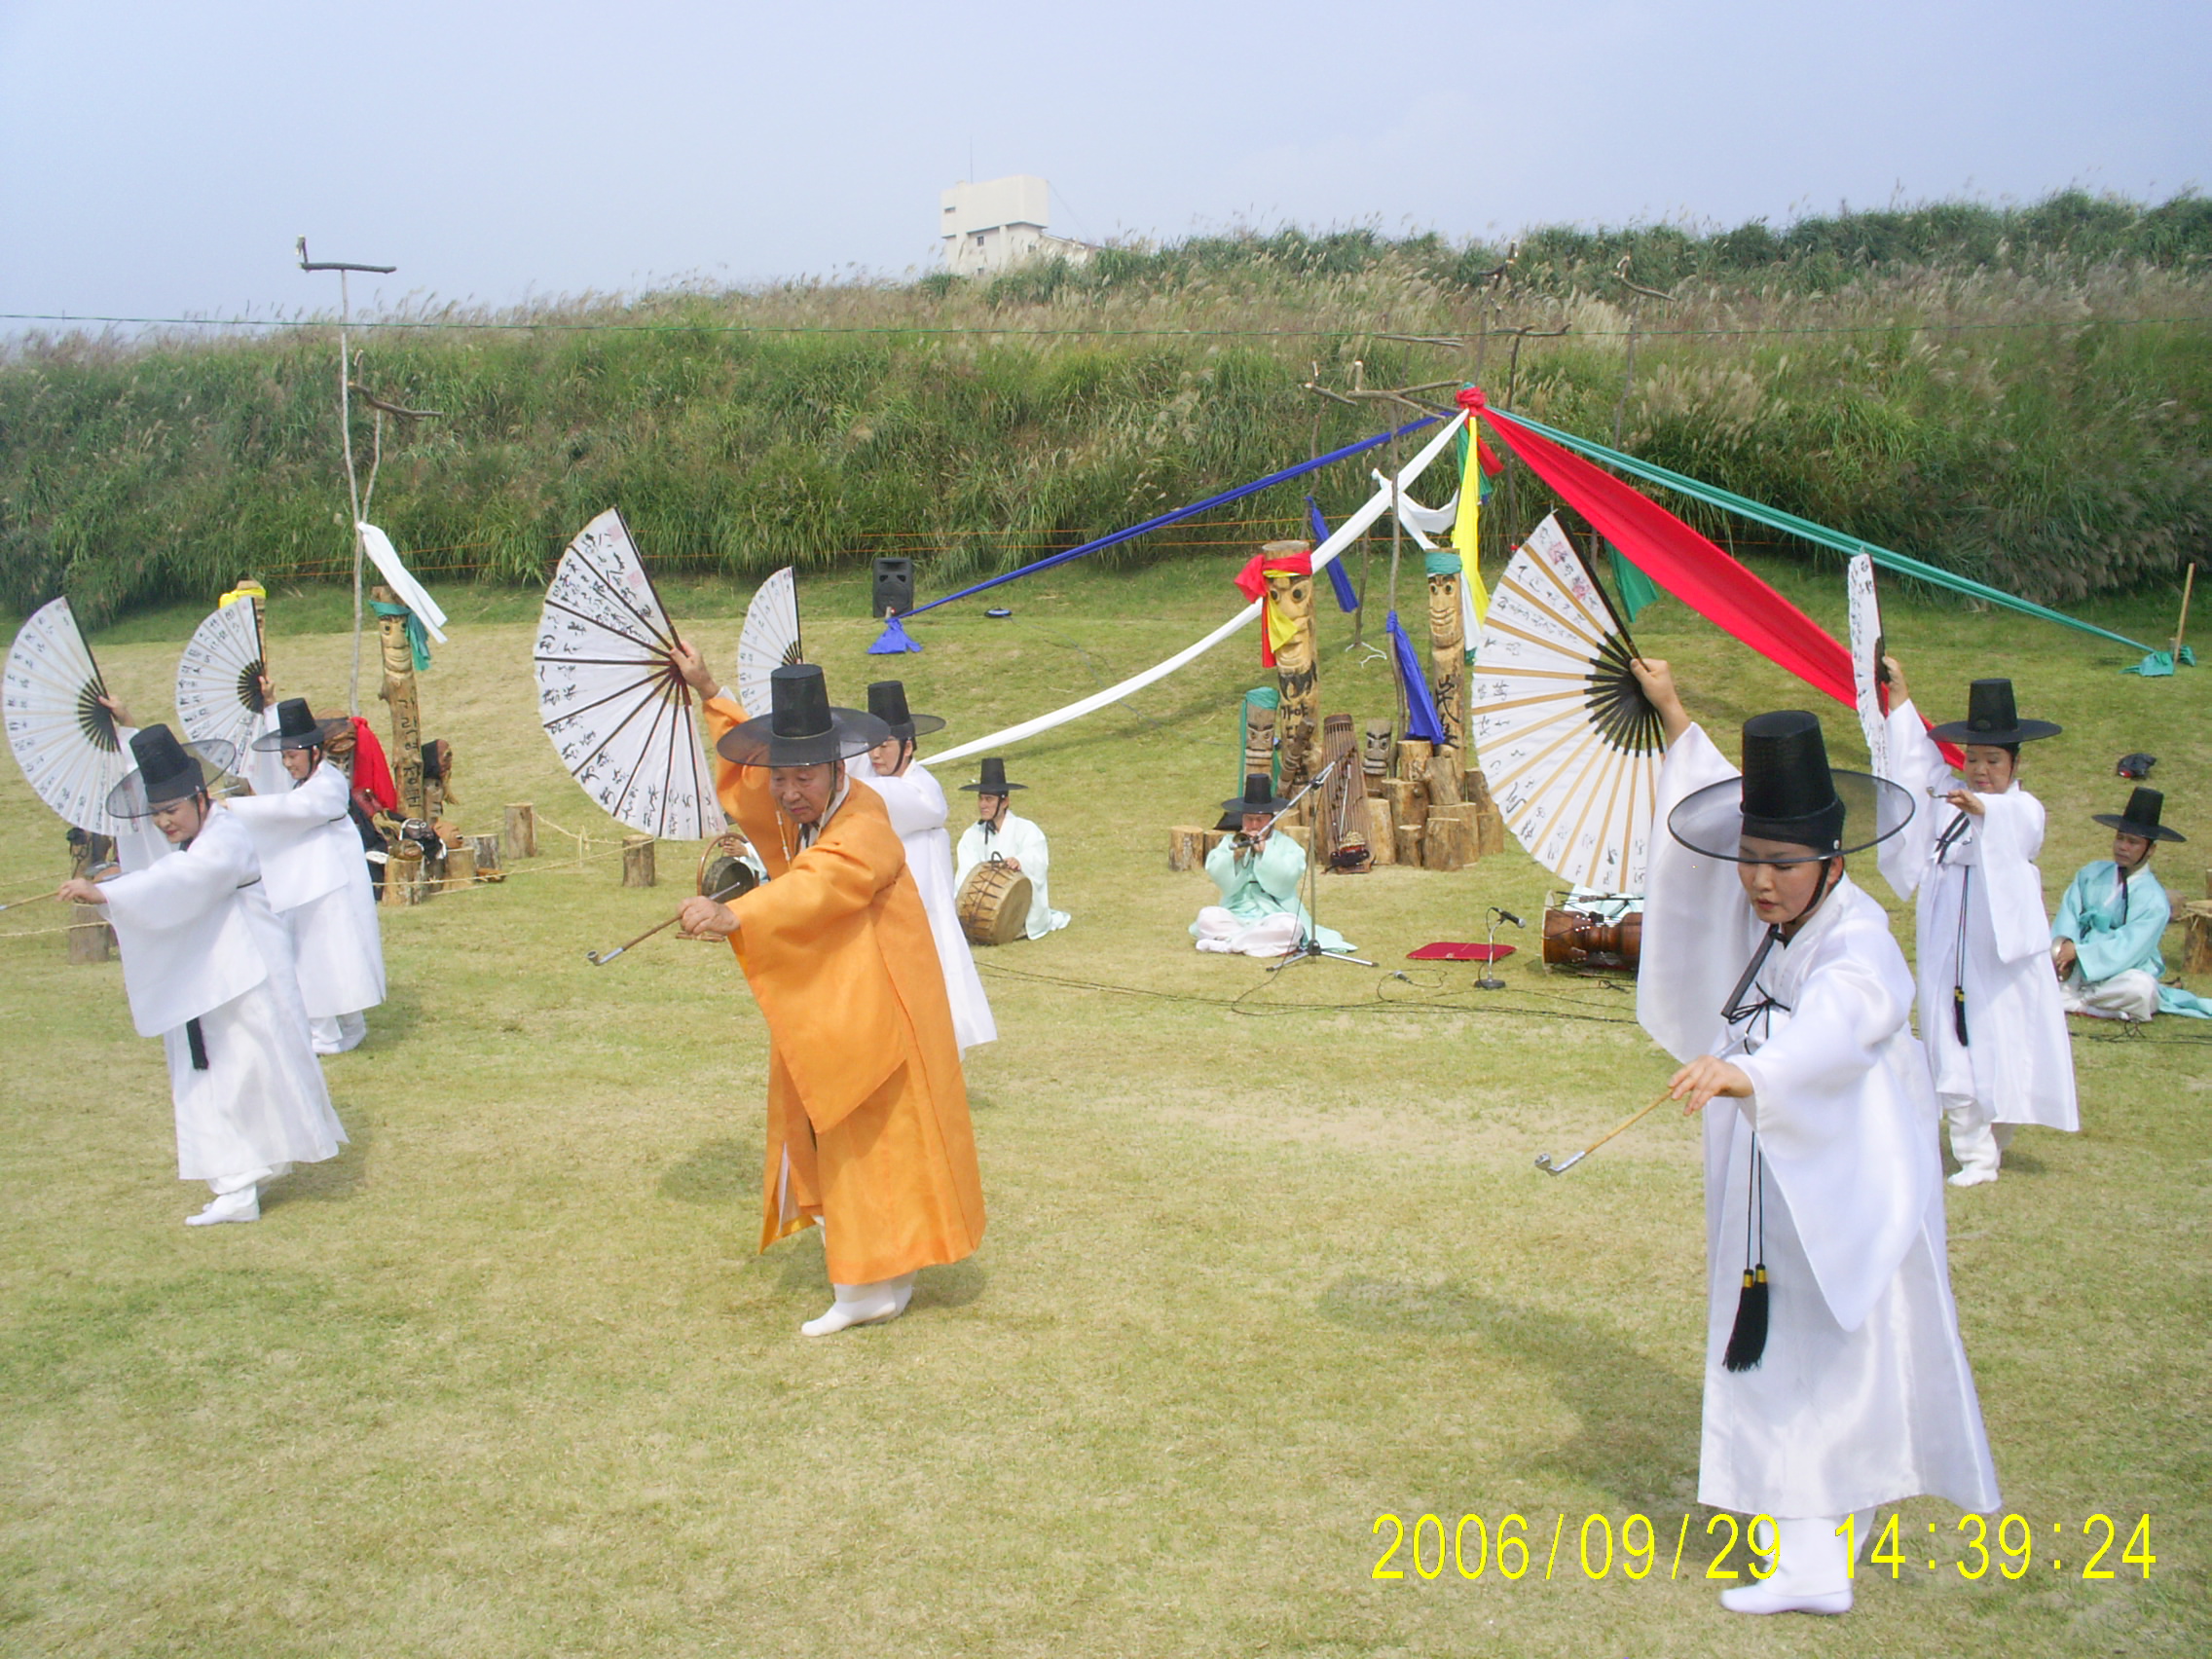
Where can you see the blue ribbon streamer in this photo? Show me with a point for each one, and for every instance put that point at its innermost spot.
(1421, 723)
(1346, 599)
(1116, 538)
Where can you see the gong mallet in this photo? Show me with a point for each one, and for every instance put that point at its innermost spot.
(1544, 1158)
(600, 958)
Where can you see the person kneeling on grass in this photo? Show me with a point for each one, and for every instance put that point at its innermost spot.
(1989, 1013)
(2105, 943)
(1258, 873)
(208, 968)
(1835, 1378)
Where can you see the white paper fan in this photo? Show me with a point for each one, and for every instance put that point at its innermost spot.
(66, 742)
(770, 640)
(1867, 661)
(1569, 741)
(611, 695)
(218, 679)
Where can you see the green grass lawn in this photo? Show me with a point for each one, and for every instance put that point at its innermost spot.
(1267, 1257)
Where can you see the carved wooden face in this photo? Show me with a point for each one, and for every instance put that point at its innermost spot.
(1259, 729)
(1289, 589)
(1443, 617)
(1376, 744)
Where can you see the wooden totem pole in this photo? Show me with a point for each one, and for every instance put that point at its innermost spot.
(1448, 665)
(1298, 659)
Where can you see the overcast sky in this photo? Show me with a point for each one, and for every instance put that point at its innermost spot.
(159, 157)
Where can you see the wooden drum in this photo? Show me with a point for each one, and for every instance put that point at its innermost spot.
(1574, 938)
(994, 904)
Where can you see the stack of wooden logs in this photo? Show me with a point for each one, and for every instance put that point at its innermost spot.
(2197, 932)
(1431, 817)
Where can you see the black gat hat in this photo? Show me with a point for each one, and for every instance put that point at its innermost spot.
(1992, 718)
(993, 781)
(887, 702)
(297, 728)
(1259, 796)
(2141, 817)
(1789, 793)
(800, 728)
(167, 771)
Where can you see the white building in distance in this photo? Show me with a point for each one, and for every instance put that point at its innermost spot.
(995, 225)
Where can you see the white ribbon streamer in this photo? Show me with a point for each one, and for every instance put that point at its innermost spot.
(1339, 539)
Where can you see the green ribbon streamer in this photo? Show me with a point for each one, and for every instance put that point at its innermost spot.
(1441, 564)
(418, 640)
(1636, 589)
(1806, 530)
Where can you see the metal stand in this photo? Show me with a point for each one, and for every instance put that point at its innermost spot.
(1308, 947)
(1489, 981)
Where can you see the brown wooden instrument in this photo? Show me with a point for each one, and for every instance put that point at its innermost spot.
(722, 869)
(994, 904)
(1574, 938)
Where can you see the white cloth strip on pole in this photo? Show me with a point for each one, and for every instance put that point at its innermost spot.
(396, 576)
(1420, 519)
(1340, 539)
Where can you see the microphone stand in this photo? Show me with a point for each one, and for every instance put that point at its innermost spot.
(1489, 981)
(1309, 947)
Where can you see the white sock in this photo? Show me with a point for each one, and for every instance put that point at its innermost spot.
(862, 1304)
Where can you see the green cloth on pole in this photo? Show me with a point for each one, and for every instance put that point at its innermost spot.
(1441, 564)
(418, 640)
(1636, 589)
(1258, 697)
(1712, 494)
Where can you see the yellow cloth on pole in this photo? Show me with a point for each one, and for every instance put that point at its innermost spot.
(1282, 628)
(1464, 527)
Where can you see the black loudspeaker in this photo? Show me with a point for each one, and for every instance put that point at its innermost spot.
(893, 587)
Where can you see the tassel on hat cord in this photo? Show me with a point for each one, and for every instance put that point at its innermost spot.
(1747, 1341)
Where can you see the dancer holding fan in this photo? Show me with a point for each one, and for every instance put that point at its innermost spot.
(1989, 1008)
(1835, 1378)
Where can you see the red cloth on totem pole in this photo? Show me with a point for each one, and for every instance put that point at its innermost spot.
(371, 772)
(1252, 583)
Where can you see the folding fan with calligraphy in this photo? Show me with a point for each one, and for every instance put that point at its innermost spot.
(1570, 744)
(1868, 684)
(218, 679)
(611, 695)
(770, 640)
(65, 739)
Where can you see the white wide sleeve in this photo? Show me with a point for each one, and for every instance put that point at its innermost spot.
(1917, 765)
(186, 945)
(915, 801)
(2011, 836)
(968, 855)
(1698, 927)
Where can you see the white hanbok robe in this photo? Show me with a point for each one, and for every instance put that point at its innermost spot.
(1018, 839)
(916, 803)
(1863, 1396)
(2017, 1062)
(319, 883)
(200, 941)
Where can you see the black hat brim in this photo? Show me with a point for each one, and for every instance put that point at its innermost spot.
(131, 797)
(995, 789)
(915, 725)
(2143, 832)
(754, 743)
(1710, 821)
(319, 738)
(2022, 731)
(1242, 806)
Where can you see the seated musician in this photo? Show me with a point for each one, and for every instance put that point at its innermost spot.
(1258, 873)
(1015, 842)
(2105, 943)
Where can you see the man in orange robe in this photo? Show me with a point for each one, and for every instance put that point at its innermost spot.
(868, 1133)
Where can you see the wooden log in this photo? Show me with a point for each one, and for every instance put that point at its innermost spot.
(522, 830)
(1298, 668)
(1213, 840)
(1409, 802)
(461, 867)
(1413, 761)
(1488, 821)
(1381, 831)
(1302, 833)
(2197, 939)
(403, 875)
(1467, 814)
(637, 861)
(488, 858)
(1444, 778)
(1447, 842)
(1186, 847)
(1408, 837)
(91, 938)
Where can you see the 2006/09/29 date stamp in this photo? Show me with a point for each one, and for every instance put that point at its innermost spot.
(1473, 1548)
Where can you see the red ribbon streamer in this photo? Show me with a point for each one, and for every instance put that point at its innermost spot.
(1252, 583)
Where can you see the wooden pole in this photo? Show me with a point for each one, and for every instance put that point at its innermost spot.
(2180, 627)
(90, 937)
(637, 861)
(522, 830)
(1448, 660)
(406, 713)
(1298, 719)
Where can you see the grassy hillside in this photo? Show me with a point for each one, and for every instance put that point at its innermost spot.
(2017, 393)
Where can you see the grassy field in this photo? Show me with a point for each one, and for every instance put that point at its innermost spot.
(1267, 1260)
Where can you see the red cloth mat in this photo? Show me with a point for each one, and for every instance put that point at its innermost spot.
(1444, 950)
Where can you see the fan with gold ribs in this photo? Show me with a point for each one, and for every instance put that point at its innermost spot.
(64, 738)
(1570, 744)
(611, 695)
(218, 679)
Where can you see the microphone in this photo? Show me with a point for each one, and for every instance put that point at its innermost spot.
(1507, 916)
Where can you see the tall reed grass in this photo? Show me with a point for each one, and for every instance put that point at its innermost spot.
(2017, 393)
